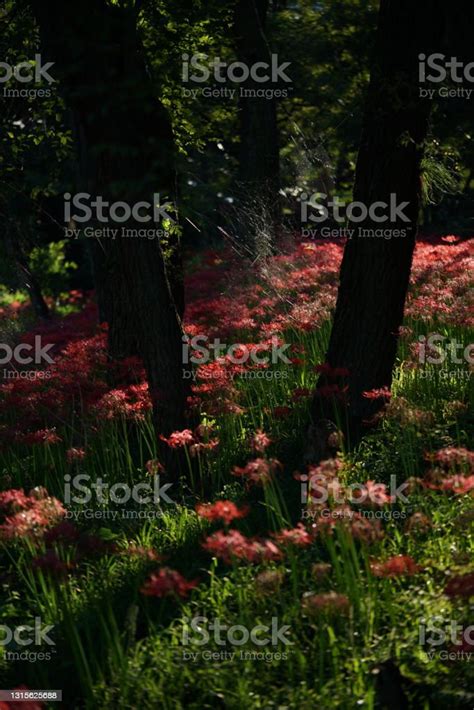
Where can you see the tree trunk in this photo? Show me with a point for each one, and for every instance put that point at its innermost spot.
(28, 278)
(126, 154)
(259, 152)
(375, 271)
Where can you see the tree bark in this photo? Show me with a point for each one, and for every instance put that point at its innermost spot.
(126, 154)
(27, 277)
(375, 271)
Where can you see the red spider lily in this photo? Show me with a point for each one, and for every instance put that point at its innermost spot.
(453, 458)
(154, 467)
(223, 510)
(130, 402)
(259, 471)
(167, 582)
(460, 485)
(259, 442)
(201, 446)
(395, 567)
(42, 436)
(460, 586)
(41, 512)
(327, 602)
(450, 239)
(381, 393)
(366, 530)
(14, 500)
(298, 536)
(75, 454)
(372, 493)
(179, 439)
(233, 545)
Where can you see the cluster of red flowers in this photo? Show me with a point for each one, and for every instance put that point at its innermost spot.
(453, 471)
(298, 536)
(395, 566)
(30, 514)
(325, 602)
(232, 546)
(196, 442)
(258, 471)
(367, 530)
(295, 290)
(167, 582)
(223, 510)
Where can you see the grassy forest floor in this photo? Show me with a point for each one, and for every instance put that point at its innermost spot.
(366, 588)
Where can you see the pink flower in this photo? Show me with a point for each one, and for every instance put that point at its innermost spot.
(380, 393)
(75, 454)
(259, 471)
(203, 446)
(450, 239)
(154, 467)
(167, 582)
(233, 545)
(40, 512)
(327, 602)
(454, 458)
(395, 566)
(179, 438)
(223, 510)
(13, 500)
(297, 536)
(460, 485)
(260, 441)
(373, 492)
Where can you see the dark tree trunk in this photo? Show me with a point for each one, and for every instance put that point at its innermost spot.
(28, 278)
(375, 271)
(126, 154)
(259, 152)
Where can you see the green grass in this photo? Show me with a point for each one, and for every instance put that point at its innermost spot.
(114, 647)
